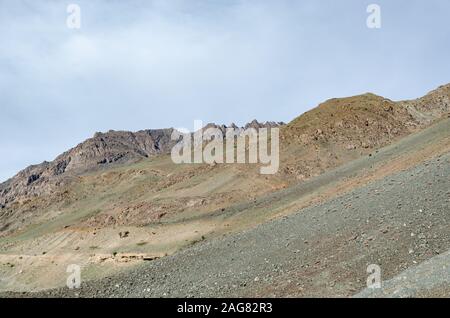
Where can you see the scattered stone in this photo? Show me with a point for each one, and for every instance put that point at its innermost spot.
(124, 234)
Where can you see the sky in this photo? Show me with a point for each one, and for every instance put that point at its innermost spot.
(136, 65)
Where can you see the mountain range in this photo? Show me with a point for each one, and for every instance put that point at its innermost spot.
(117, 199)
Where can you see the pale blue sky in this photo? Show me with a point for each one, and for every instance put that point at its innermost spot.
(152, 64)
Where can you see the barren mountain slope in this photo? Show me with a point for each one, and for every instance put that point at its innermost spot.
(27, 197)
(107, 215)
(396, 222)
(343, 129)
(336, 132)
(101, 150)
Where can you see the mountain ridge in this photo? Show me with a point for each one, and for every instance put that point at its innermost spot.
(107, 218)
(100, 151)
(365, 121)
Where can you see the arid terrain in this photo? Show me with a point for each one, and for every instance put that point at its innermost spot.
(362, 180)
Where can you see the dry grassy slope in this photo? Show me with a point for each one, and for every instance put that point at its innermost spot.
(396, 221)
(181, 204)
(146, 192)
(152, 190)
(27, 197)
(83, 220)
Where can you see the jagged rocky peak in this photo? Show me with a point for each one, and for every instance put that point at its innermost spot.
(268, 124)
(253, 124)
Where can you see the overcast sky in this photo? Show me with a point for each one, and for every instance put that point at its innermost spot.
(152, 64)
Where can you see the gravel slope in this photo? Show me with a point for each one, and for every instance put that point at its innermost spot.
(324, 250)
(430, 277)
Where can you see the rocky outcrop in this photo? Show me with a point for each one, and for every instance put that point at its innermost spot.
(343, 129)
(430, 107)
(368, 116)
(102, 150)
(99, 152)
(253, 124)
